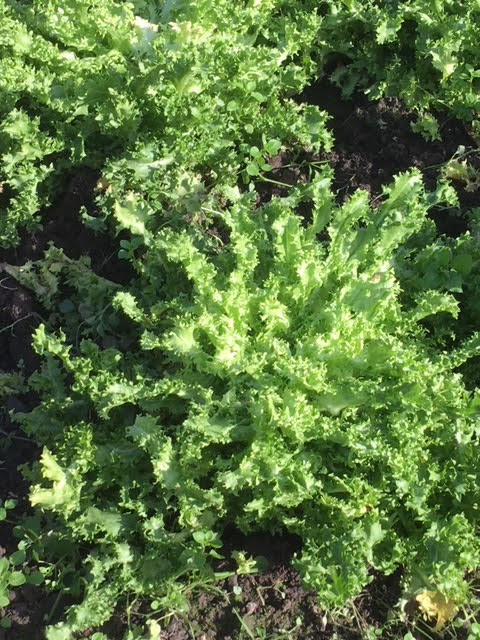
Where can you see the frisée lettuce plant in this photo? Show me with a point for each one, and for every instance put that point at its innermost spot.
(422, 51)
(161, 100)
(279, 384)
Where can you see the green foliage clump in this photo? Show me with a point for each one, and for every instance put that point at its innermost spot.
(172, 100)
(167, 101)
(14, 571)
(280, 383)
(432, 261)
(423, 51)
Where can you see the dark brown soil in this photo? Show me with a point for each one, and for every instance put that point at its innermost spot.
(274, 603)
(373, 142)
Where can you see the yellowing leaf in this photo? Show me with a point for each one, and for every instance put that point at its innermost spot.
(189, 33)
(154, 630)
(133, 214)
(60, 493)
(147, 30)
(51, 469)
(444, 61)
(433, 604)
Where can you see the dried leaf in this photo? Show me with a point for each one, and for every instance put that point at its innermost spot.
(433, 604)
